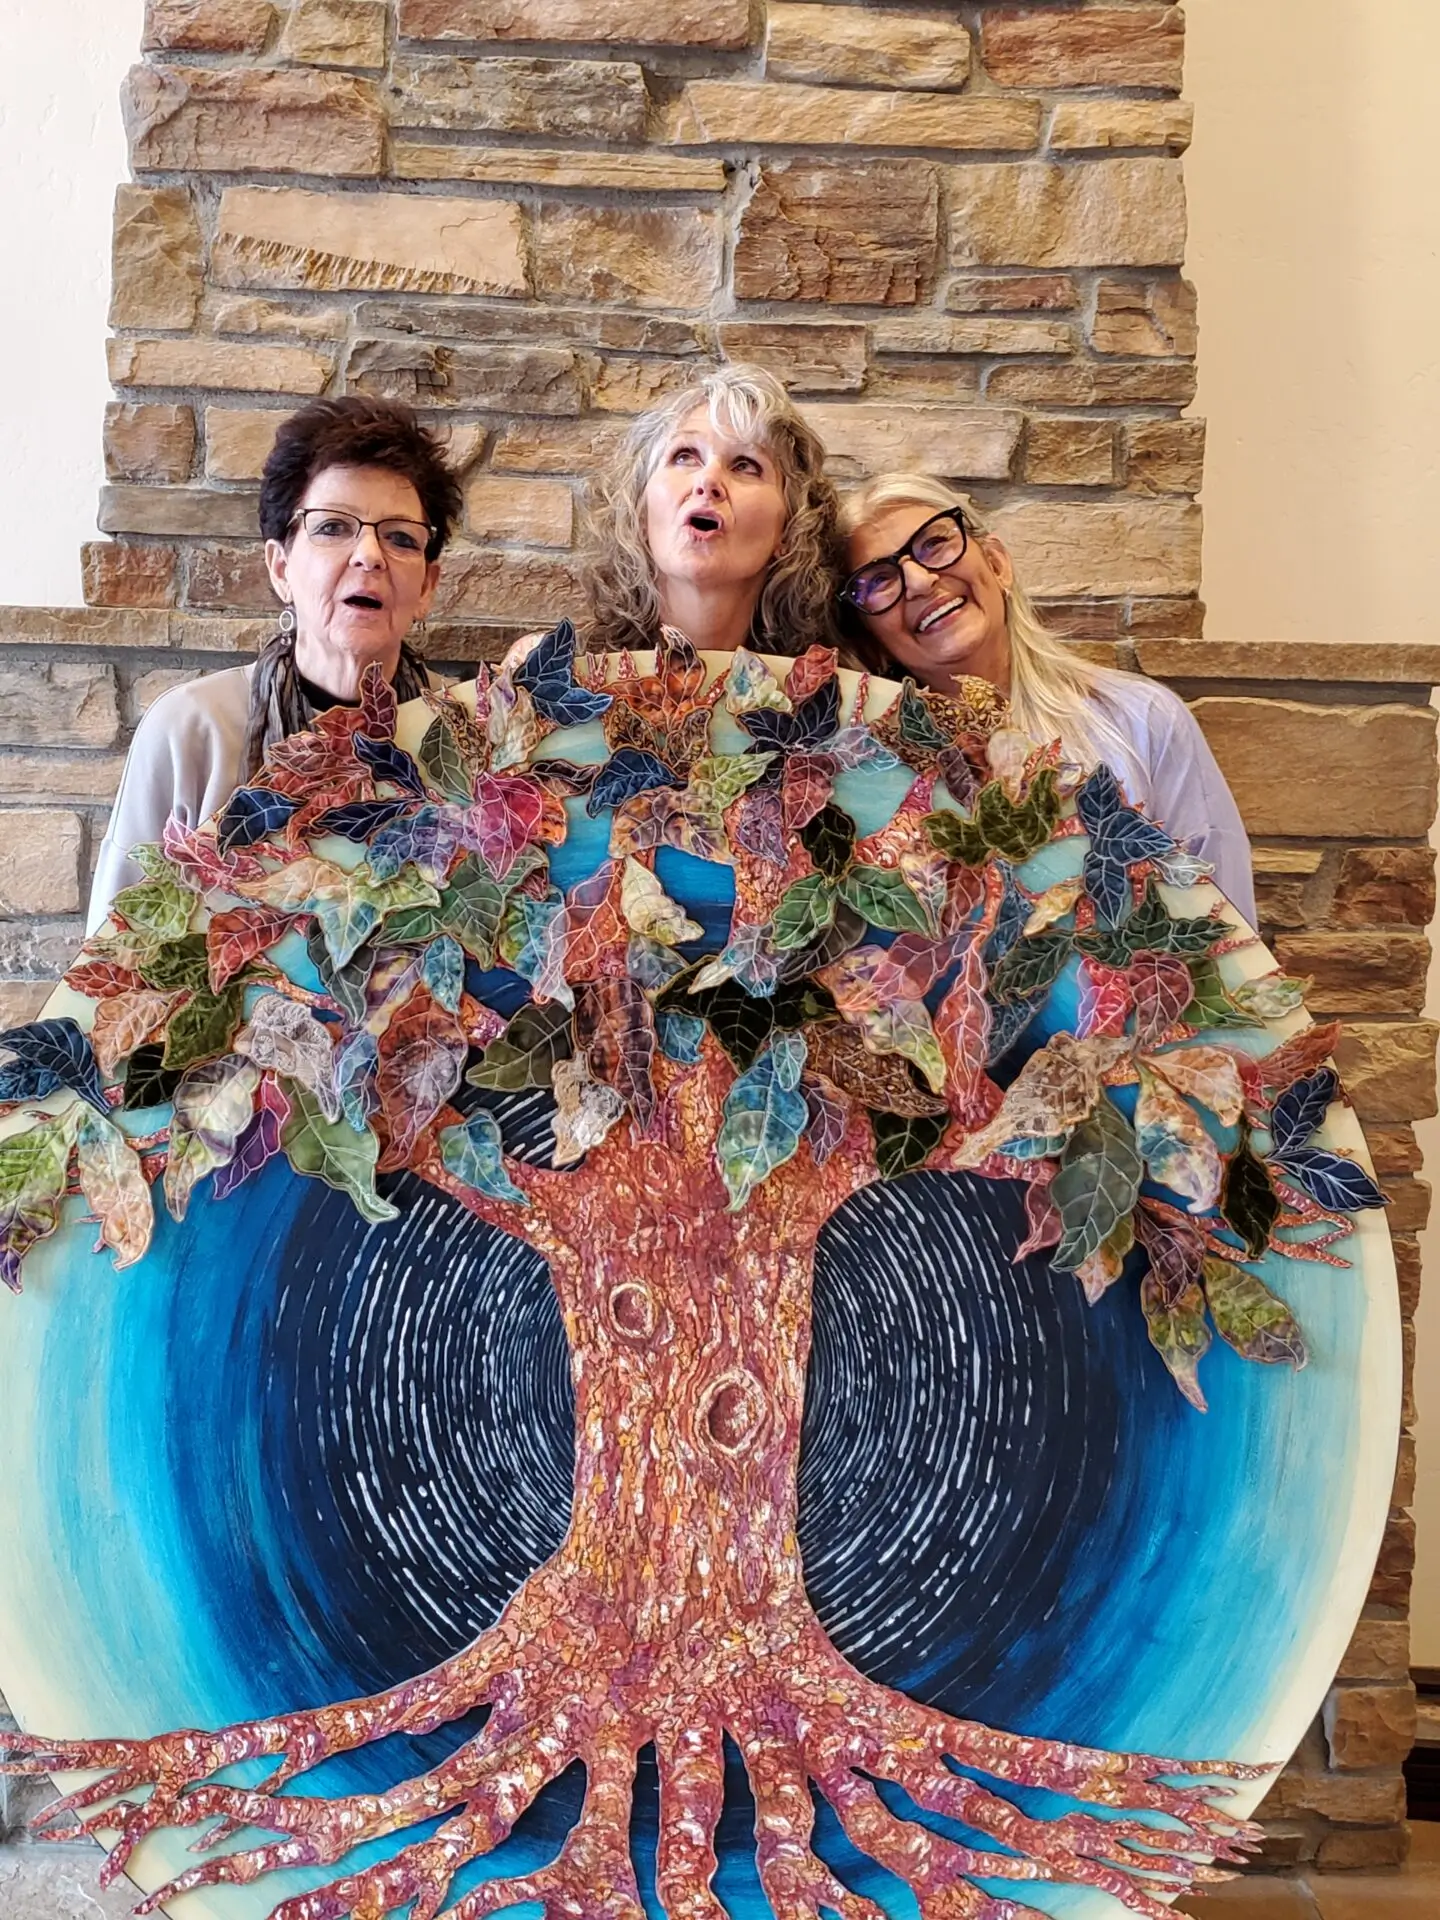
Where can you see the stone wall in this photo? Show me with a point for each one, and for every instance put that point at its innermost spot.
(957, 235)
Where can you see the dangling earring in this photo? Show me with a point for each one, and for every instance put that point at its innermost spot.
(287, 622)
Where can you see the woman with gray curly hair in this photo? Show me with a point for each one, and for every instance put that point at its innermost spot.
(715, 517)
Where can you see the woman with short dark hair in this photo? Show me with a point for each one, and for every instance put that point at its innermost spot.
(356, 505)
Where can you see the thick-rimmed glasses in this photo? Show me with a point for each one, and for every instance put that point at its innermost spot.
(880, 584)
(329, 527)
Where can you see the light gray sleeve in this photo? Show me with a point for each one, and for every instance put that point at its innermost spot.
(1189, 793)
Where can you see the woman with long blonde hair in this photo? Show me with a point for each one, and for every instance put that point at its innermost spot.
(931, 590)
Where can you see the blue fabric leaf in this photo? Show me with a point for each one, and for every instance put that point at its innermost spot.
(251, 814)
(626, 773)
(1015, 910)
(60, 1048)
(1107, 882)
(810, 725)
(1007, 1024)
(547, 674)
(428, 838)
(1120, 838)
(360, 818)
(1300, 1109)
(1341, 1185)
(389, 762)
(475, 1154)
(680, 1035)
(19, 1081)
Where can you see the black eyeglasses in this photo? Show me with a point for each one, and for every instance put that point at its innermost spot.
(329, 527)
(879, 584)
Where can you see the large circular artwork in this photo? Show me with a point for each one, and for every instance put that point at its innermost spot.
(741, 1294)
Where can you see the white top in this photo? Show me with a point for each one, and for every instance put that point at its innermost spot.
(1170, 772)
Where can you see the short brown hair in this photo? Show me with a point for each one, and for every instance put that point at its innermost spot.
(357, 432)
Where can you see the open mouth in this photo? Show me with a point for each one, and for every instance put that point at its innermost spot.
(954, 604)
(366, 601)
(704, 521)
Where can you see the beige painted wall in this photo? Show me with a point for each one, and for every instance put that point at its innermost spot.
(1315, 244)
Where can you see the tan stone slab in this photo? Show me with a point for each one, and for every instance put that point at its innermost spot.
(284, 237)
(201, 633)
(923, 383)
(218, 365)
(556, 446)
(1165, 456)
(44, 1883)
(1359, 973)
(252, 120)
(422, 373)
(1394, 1150)
(1293, 860)
(1089, 47)
(1352, 773)
(336, 33)
(1385, 886)
(859, 234)
(546, 167)
(1012, 293)
(251, 317)
(540, 513)
(1105, 213)
(1370, 1726)
(58, 703)
(728, 112)
(117, 575)
(1081, 383)
(156, 267)
(1413, 663)
(149, 441)
(1114, 547)
(1070, 453)
(971, 443)
(238, 440)
(178, 511)
(1154, 319)
(933, 334)
(1389, 1068)
(229, 580)
(660, 23)
(82, 627)
(626, 384)
(60, 776)
(22, 1001)
(1257, 1897)
(809, 356)
(583, 99)
(656, 258)
(546, 326)
(39, 860)
(866, 47)
(477, 583)
(1364, 1799)
(207, 26)
(1081, 126)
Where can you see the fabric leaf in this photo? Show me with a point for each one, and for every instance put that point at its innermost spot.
(547, 673)
(125, 1023)
(251, 814)
(422, 1055)
(1248, 1200)
(1177, 1149)
(1250, 1319)
(203, 1027)
(115, 1189)
(526, 1053)
(904, 1143)
(765, 1117)
(213, 1105)
(1207, 1074)
(1098, 1183)
(650, 911)
(1301, 1109)
(332, 1151)
(474, 1154)
(260, 1142)
(586, 1111)
(234, 938)
(1332, 1180)
(287, 1038)
(1178, 1334)
(884, 898)
(804, 913)
(59, 1047)
(34, 1171)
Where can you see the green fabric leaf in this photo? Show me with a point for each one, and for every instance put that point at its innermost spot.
(829, 839)
(526, 1054)
(1032, 966)
(957, 838)
(765, 1117)
(1178, 1334)
(1248, 1200)
(345, 985)
(915, 726)
(471, 908)
(903, 1142)
(1212, 1006)
(412, 926)
(803, 914)
(148, 1081)
(176, 965)
(203, 1028)
(885, 899)
(717, 781)
(1097, 1185)
(1152, 929)
(163, 907)
(34, 1171)
(1250, 1318)
(443, 763)
(443, 971)
(474, 1154)
(332, 1151)
(1017, 829)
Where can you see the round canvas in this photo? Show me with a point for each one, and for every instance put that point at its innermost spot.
(308, 1451)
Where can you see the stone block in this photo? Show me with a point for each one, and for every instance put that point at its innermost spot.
(156, 264)
(809, 356)
(114, 575)
(1327, 772)
(1409, 1210)
(57, 703)
(1061, 452)
(971, 443)
(207, 26)
(60, 777)
(83, 627)
(1358, 1848)
(148, 442)
(1370, 1726)
(922, 383)
(581, 99)
(1084, 126)
(540, 513)
(336, 33)
(1349, 1799)
(39, 1883)
(656, 258)
(1401, 663)
(727, 112)
(1359, 972)
(254, 318)
(178, 511)
(1394, 1150)
(565, 447)
(1085, 47)
(238, 440)
(1378, 1650)
(664, 23)
(1165, 456)
(1388, 1068)
(146, 688)
(1407, 1272)
(1395, 1568)
(229, 580)
(1280, 903)
(252, 120)
(40, 860)
(863, 234)
(546, 326)
(1012, 293)
(386, 242)
(1120, 546)
(218, 365)
(1156, 319)
(625, 384)
(509, 379)
(1406, 1469)
(981, 334)
(21, 1001)
(1084, 383)
(1385, 887)
(865, 47)
(484, 583)
(543, 167)
(1146, 619)
(1099, 213)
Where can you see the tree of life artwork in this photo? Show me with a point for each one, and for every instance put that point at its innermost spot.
(374, 949)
